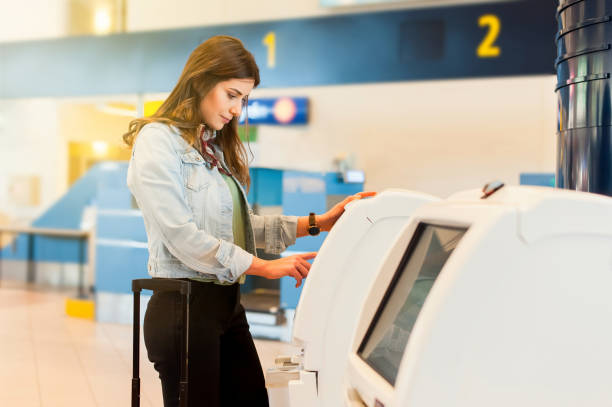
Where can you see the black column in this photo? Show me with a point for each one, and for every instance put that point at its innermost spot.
(584, 64)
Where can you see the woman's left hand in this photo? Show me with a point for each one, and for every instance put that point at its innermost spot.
(329, 218)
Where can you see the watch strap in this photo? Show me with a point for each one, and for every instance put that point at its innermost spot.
(312, 219)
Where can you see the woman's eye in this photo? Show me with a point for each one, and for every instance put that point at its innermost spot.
(231, 96)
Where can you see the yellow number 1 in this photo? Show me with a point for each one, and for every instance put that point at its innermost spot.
(270, 42)
(487, 49)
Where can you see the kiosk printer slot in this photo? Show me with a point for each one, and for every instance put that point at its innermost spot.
(338, 281)
(504, 301)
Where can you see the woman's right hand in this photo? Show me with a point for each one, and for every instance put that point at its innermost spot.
(295, 266)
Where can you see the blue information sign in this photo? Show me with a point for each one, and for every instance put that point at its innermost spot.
(282, 111)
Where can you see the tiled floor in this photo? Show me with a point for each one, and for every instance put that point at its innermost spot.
(49, 359)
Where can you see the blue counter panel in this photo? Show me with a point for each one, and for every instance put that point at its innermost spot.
(289, 294)
(49, 249)
(266, 187)
(121, 227)
(542, 179)
(117, 266)
(512, 38)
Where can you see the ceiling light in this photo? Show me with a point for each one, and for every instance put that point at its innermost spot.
(102, 21)
(100, 148)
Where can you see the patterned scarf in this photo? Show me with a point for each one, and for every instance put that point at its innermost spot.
(207, 150)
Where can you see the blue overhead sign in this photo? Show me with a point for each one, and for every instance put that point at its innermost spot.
(460, 41)
(283, 111)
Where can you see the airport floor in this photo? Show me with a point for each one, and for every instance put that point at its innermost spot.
(49, 359)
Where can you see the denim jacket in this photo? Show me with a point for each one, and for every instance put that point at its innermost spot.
(188, 209)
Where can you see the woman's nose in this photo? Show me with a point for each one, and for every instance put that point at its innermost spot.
(236, 109)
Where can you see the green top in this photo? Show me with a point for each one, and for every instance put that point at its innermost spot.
(238, 220)
(238, 225)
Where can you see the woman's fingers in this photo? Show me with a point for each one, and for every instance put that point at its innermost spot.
(303, 264)
(302, 268)
(298, 277)
(306, 265)
(366, 194)
(360, 195)
(349, 199)
(307, 256)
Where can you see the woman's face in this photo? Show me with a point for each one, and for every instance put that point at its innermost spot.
(224, 102)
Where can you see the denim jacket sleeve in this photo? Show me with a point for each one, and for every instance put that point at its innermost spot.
(155, 179)
(274, 233)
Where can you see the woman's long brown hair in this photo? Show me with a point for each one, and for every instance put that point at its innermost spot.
(218, 59)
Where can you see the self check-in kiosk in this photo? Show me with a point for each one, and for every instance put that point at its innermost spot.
(337, 284)
(504, 301)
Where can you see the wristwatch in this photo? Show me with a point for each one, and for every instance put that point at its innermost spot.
(313, 228)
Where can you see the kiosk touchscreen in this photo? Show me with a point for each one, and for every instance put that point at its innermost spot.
(385, 341)
(503, 301)
(336, 286)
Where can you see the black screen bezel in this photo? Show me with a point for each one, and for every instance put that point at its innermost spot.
(416, 238)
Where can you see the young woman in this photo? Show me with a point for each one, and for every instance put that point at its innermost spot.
(188, 173)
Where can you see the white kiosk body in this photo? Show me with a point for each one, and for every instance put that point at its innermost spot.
(338, 282)
(505, 301)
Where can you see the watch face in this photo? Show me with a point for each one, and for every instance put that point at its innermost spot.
(314, 230)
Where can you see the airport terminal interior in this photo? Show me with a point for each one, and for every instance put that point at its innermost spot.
(478, 274)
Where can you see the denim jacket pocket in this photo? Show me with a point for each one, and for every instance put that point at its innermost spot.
(194, 175)
(196, 180)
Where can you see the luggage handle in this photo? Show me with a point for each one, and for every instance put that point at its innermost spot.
(160, 285)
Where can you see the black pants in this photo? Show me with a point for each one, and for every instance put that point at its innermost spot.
(224, 369)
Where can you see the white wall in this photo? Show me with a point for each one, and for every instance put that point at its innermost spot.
(144, 15)
(437, 136)
(34, 139)
(30, 144)
(32, 19)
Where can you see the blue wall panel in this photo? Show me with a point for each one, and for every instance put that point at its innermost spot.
(398, 45)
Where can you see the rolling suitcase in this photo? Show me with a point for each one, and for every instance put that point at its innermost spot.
(159, 285)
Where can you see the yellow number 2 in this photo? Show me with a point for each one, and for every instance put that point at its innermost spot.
(270, 42)
(487, 49)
